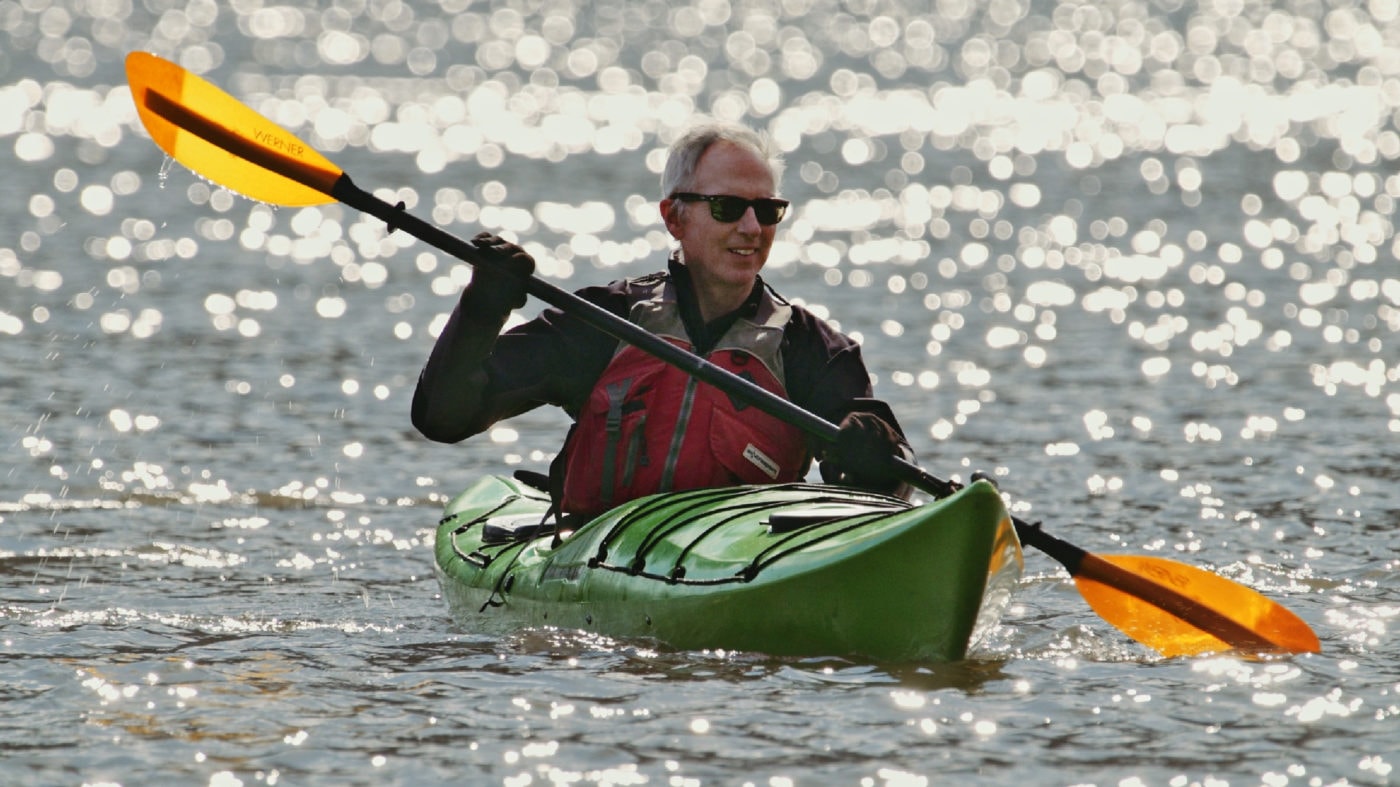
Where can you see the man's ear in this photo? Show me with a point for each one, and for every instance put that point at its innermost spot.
(671, 215)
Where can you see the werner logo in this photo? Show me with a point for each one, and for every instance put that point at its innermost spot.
(761, 460)
(290, 146)
(1166, 576)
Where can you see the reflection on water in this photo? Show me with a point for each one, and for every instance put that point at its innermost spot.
(1135, 260)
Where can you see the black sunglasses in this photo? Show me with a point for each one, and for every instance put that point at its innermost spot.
(728, 209)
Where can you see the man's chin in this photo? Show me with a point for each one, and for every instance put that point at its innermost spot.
(747, 264)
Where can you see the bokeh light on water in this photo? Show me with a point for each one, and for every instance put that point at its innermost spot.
(1009, 105)
(1137, 260)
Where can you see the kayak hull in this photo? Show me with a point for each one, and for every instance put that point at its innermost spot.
(789, 569)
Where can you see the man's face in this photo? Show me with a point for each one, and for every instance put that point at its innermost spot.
(720, 256)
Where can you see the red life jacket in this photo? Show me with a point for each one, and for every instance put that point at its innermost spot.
(648, 427)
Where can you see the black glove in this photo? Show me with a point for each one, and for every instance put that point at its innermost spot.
(498, 280)
(862, 453)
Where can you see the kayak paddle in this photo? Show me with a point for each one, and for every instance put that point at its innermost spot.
(1168, 606)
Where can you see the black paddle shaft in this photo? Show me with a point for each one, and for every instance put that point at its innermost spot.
(1070, 556)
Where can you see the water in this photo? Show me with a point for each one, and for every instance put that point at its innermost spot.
(1137, 259)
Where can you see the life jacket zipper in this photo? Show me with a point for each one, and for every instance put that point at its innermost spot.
(673, 456)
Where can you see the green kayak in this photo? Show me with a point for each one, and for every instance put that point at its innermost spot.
(790, 569)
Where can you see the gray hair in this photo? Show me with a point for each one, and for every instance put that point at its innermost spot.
(685, 153)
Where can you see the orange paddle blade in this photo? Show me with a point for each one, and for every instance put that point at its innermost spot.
(214, 134)
(1246, 618)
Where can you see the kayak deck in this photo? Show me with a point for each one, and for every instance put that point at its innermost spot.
(788, 569)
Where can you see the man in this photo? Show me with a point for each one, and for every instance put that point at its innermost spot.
(643, 427)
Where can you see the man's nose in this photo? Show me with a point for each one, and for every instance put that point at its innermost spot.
(749, 221)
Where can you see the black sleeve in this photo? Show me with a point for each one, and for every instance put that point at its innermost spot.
(552, 359)
(826, 375)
